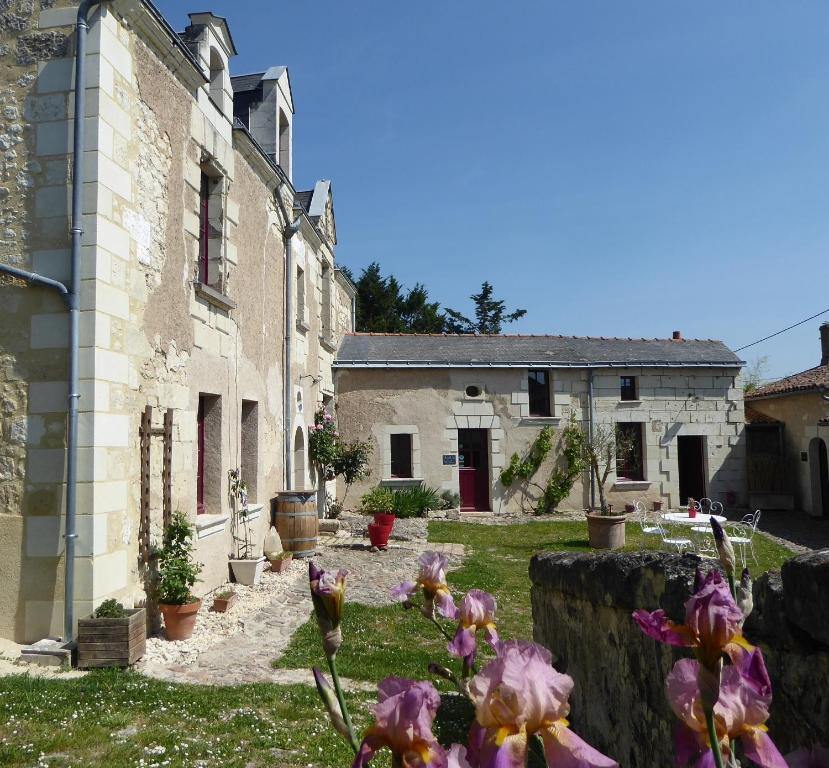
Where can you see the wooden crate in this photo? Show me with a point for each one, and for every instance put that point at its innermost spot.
(112, 642)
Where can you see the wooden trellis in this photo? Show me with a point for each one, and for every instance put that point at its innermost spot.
(147, 433)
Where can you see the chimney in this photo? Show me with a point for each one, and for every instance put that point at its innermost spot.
(677, 336)
(824, 344)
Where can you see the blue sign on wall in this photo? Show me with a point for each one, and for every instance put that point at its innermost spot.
(450, 459)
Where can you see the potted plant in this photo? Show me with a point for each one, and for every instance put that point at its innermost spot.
(379, 535)
(605, 529)
(246, 567)
(177, 575)
(113, 636)
(224, 601)
(281, 561)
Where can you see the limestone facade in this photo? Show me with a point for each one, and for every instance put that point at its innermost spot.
(800, 405)
(183, 300)
(432, 404)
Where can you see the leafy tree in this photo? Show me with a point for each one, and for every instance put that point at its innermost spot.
(383, 306)
(490, 314)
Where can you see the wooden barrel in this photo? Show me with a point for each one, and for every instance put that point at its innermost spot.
(297, 523)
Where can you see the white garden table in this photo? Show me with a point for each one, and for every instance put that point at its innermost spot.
(700, 520)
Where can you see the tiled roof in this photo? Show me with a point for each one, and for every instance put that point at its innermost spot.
(471, 350)
(800, 382)
(753, 416)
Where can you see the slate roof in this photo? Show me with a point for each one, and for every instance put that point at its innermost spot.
(246, 82)
(799, 382)
(367, 350)
(304, 199)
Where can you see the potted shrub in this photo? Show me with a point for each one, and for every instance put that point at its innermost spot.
(177, 575)
(281, 561)
(246, 567)
(224, 601)
(113, 636)
(605, 529)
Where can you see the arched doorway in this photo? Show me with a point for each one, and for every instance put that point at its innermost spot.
(299, 460)
(819, 468)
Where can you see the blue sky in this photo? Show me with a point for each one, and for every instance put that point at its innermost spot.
(616, 168)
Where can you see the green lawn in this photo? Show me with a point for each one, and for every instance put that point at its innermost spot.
(113, 718)
(53, 722)
(388, 640)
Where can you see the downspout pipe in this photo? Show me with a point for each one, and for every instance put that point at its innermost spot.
(71, 534)
(590, 421)
(71, 295)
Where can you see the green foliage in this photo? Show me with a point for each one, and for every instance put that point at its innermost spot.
(377, 500)
(331, 455)
(450, 499)
(415, 502)
(352, 460)
(323, 443)
(384, 306)
(490, 314)
(525, 469)
(403, 502)
(177, 571)
(282, 556)
(225, 594)
(110, 609)
(560, 482)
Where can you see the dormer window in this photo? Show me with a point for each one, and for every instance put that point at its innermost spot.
(285, 143)
(219, 83)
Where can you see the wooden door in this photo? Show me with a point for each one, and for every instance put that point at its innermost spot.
(473, 461)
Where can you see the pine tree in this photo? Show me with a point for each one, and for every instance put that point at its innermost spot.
(490, 314)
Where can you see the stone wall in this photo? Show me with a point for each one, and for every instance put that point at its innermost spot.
(672, 403)
(582, 608)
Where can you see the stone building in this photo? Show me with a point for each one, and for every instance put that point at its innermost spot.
(450, 411)
(208, 287)
(788, 433)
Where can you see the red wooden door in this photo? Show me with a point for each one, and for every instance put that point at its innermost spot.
(473, 469)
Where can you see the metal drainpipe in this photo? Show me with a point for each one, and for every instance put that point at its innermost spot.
(590, 435)
(81, 31)
(71, 296)
(290, 324)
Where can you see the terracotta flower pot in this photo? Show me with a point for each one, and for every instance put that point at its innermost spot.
(282, 564)
(385, 519)
(379, 535)
(224, 604)
(179, 620)
(606, 531)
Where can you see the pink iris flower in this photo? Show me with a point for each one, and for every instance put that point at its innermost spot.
(432, 580)
(518, 695)
(403, 723)
(328, 596)
(476, 612)
(739, 713)
(712, 624)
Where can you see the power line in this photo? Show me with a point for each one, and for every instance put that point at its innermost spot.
(777, 333)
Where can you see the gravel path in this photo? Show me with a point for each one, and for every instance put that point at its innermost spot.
(238, 646)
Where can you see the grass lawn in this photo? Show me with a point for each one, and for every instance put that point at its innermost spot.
(388, 640)
(113, 718)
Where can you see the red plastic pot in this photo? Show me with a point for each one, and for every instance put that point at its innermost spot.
(384, 518)
(379, 535)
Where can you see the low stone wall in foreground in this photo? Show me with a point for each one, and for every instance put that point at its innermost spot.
(582, 606)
